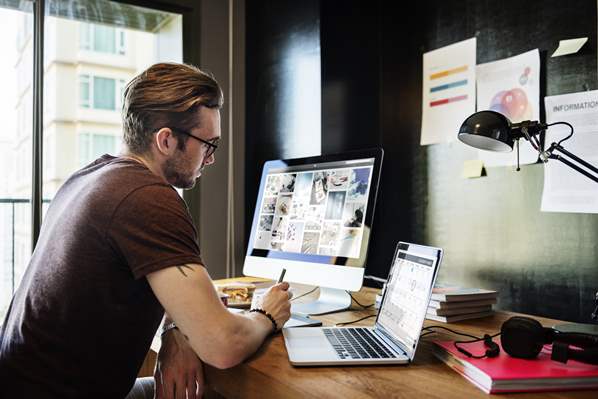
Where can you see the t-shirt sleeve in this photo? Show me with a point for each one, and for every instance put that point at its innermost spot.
(151, 229)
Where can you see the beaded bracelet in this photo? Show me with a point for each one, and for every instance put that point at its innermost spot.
(268, 315)
(167, 328)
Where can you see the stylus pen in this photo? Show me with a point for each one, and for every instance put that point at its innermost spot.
(281, 276)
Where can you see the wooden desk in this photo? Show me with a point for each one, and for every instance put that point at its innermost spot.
(268, 374)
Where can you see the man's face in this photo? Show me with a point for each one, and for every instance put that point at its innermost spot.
(185, 166)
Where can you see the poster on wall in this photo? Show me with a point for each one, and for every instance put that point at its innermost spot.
(566, 190)
(448, 95)
(511, 87)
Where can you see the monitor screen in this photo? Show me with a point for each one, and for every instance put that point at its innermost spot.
(316, 210)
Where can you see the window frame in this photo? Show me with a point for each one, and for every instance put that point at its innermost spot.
(87, 39)
(190, 12)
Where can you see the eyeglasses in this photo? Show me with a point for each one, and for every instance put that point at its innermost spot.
(212, 145)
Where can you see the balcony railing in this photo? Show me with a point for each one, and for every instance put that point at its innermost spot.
(7, 235)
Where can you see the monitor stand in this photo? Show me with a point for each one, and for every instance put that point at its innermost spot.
(330, 300)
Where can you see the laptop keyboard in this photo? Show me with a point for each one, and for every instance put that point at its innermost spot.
(356, 343)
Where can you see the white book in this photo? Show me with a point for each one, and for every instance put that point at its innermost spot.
(462, 304)
(452, 319)
(451, 312)
(459, 294)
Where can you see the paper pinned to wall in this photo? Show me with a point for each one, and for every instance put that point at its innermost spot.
(566, 190)
(512, 87)
(472, 168)
(569, 46)
(448, 91)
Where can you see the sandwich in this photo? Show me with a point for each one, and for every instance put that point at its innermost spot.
(237, 291)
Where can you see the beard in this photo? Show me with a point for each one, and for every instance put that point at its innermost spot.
(177, 172)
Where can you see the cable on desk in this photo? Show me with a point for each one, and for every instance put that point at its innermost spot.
(302, 295)
(492, 347)
(374, 278)
(353, 321)
(357, 302)
(429, 328)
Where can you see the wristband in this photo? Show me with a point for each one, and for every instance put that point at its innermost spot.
(167, 328)
(268, 315)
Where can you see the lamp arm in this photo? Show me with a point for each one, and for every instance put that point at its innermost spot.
(549, 154)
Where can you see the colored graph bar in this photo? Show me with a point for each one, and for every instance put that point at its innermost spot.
(448, 86)
(448, 72)
(448, 100)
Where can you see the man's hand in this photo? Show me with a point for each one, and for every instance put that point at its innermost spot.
(179, 372)
(276, 302)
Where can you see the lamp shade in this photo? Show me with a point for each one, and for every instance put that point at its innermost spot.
(487, 130)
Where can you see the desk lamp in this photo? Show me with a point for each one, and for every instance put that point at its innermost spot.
(492, 131)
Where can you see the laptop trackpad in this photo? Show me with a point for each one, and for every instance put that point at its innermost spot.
(308, 343)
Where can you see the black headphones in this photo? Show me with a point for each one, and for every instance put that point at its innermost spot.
(524, 338)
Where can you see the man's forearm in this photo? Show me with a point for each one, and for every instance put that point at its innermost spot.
(245, 335)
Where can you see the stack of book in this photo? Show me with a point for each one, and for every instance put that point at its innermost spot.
(509, 374)
(451, 303)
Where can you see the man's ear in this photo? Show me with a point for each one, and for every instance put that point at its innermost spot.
(165, 141)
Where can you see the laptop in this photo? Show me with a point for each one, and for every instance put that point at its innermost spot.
(394, 337)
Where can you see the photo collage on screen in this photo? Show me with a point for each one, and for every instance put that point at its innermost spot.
(319, 212)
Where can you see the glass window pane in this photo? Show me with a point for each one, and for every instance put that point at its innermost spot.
(104, 39)
(84, 156)
(102, 144)
(87, 85)
(84, 91)
(85, 36)
(104, 93)
(16, 109)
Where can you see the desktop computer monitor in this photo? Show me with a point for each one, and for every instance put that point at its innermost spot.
(313, 217)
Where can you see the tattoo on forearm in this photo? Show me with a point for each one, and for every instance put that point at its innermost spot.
(186, 267)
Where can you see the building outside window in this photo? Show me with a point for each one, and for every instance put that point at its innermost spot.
(100, 93)
(102, 38)
(94, 145)
(86, 67)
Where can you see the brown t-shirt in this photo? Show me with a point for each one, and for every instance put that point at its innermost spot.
(83, 317)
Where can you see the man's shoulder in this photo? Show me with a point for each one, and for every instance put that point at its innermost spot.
(123, 175)
(109, 181)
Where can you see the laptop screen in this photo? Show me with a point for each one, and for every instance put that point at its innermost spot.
(408, 291)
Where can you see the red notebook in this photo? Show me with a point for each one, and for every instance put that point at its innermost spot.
(508, 374)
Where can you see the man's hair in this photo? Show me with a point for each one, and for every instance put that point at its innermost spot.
(166, 95)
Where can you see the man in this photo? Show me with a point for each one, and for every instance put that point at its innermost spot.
(118, 248)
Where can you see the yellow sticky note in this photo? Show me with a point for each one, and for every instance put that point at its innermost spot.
(473, 168)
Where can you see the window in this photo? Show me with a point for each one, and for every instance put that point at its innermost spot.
(84, 91)
(100, 93)
(16, 109)
(104, 93)
(94, 145)
(102, 38)
(94, 79)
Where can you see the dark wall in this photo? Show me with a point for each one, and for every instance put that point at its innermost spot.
(275, 31)
(491, 228)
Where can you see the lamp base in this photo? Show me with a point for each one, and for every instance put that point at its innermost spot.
(577, 328)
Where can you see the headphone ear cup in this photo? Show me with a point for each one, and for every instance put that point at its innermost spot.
(522, 337)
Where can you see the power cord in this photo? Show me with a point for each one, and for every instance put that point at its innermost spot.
(429, 328)
(358, 303)
(354, 321)
(374, 278)
(492, 348)
(302, 295)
